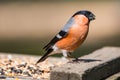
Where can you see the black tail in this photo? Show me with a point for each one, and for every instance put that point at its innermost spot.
(44, 56)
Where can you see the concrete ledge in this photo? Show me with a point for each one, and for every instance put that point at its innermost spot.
(98, 65)
(114, 77)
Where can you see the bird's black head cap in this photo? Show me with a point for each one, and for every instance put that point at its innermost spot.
(86, 13)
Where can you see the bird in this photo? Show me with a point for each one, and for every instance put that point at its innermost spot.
(70, 37)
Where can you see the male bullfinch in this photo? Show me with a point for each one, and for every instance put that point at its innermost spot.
(71, 36)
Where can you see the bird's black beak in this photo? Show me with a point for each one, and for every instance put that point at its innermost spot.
(92, 17)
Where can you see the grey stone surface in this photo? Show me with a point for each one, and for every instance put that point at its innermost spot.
(114, 77)
(98, 65)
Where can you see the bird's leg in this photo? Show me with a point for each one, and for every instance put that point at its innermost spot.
(74, 59)
(68, 56)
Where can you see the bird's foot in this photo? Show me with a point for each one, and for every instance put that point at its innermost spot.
(76, 60)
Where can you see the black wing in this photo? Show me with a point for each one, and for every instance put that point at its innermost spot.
(44, 56)
(59, 36)
(48, 47)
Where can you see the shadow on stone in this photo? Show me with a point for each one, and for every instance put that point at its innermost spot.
(85, 60)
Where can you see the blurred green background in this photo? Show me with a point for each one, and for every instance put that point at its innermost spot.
(26, 26)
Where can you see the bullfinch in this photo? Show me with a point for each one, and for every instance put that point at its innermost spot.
(71, 36)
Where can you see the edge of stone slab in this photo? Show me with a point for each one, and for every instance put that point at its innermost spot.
(67, 74)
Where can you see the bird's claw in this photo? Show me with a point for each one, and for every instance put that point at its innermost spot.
(76, 60)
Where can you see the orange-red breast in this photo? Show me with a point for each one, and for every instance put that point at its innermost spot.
(71, 36)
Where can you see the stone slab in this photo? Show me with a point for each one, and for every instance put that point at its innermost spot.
(98, 65)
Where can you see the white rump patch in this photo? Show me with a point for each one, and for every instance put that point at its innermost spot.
(58, 36)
